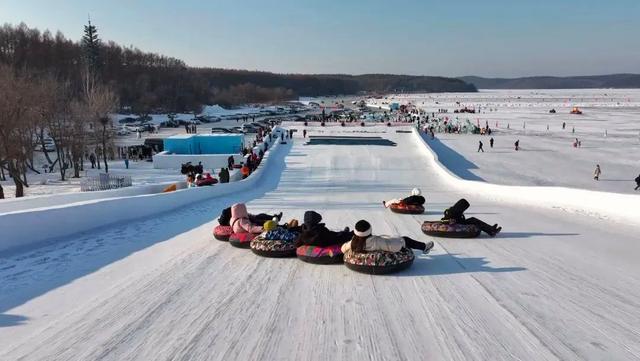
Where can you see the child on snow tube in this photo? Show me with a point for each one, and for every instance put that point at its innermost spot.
(380, 254)
(455, 215)
(414, 202)
(243, 229)
(275, 241)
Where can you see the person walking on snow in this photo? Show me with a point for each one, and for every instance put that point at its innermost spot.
(480, 147)
(304, 133)
(637, 183)
(491, 142)
(517, 144)
(597, 172)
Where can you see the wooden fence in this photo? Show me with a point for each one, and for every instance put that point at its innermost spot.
(104, 182)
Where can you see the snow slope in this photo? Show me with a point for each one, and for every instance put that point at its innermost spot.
(554, 285)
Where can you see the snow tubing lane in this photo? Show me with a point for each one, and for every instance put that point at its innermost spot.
(445, 230)
(274, 248)
(222, 233)
(320, 255)
(241, 240)
(406, 209)
(379, 262)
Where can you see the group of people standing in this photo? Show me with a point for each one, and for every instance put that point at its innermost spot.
(191, 128)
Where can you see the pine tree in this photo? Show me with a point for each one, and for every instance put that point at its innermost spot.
(91, 45)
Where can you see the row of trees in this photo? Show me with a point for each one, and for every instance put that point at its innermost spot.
(34, 107)
(147, 81)
(72, 109)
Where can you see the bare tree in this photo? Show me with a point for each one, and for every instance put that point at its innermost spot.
(100, 100)
(58, 119)
(16, 125)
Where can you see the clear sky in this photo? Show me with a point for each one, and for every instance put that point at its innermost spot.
(427, 37)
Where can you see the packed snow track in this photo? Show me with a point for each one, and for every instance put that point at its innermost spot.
(552, 286)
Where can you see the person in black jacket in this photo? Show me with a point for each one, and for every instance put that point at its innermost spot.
(314, 233)
(637, 183)
(455, 214)
(225, 217)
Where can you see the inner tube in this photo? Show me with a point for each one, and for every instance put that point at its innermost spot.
(206, 182)
(276, 248)
(241, 240)
(406, 208)
(446, 230)
(379, 262)
(222, 233)
(320, 255)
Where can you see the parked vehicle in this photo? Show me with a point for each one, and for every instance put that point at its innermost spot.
(170, 124)
(220, 130)
(123, 131)
(248, 128)
(127, 120)
(135, 128)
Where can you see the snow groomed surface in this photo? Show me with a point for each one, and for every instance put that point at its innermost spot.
(553, 285)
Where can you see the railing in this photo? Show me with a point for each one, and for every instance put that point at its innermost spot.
(104, 182)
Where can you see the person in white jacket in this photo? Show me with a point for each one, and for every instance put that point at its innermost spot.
(364, 241)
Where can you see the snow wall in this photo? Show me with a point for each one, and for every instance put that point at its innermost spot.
(47, 201)
(617, 207)
(27, 228)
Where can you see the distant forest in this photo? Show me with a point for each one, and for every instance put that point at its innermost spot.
(620, 81)
(152, 82)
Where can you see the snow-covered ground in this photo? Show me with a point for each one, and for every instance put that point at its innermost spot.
(141, 172)
(548, 157)
(554, 285)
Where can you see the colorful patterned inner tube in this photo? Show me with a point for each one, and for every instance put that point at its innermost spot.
(241, 240)
(439, 229)
(406, 208)
(379, 262)
(222, 233)
(320, 255)
(272, 247)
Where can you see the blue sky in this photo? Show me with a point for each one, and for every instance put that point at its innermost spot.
(429, 37)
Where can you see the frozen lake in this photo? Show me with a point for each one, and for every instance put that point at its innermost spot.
(608, 129)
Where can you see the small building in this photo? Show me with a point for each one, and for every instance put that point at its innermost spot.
(212, 150)
(204, 144)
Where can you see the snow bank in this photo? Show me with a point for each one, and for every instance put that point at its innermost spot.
(622, 208)
(31, 203)
(27, 228)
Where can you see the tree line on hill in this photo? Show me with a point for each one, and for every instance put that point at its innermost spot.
(147, 81)
(40, 103)
(619, 81)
